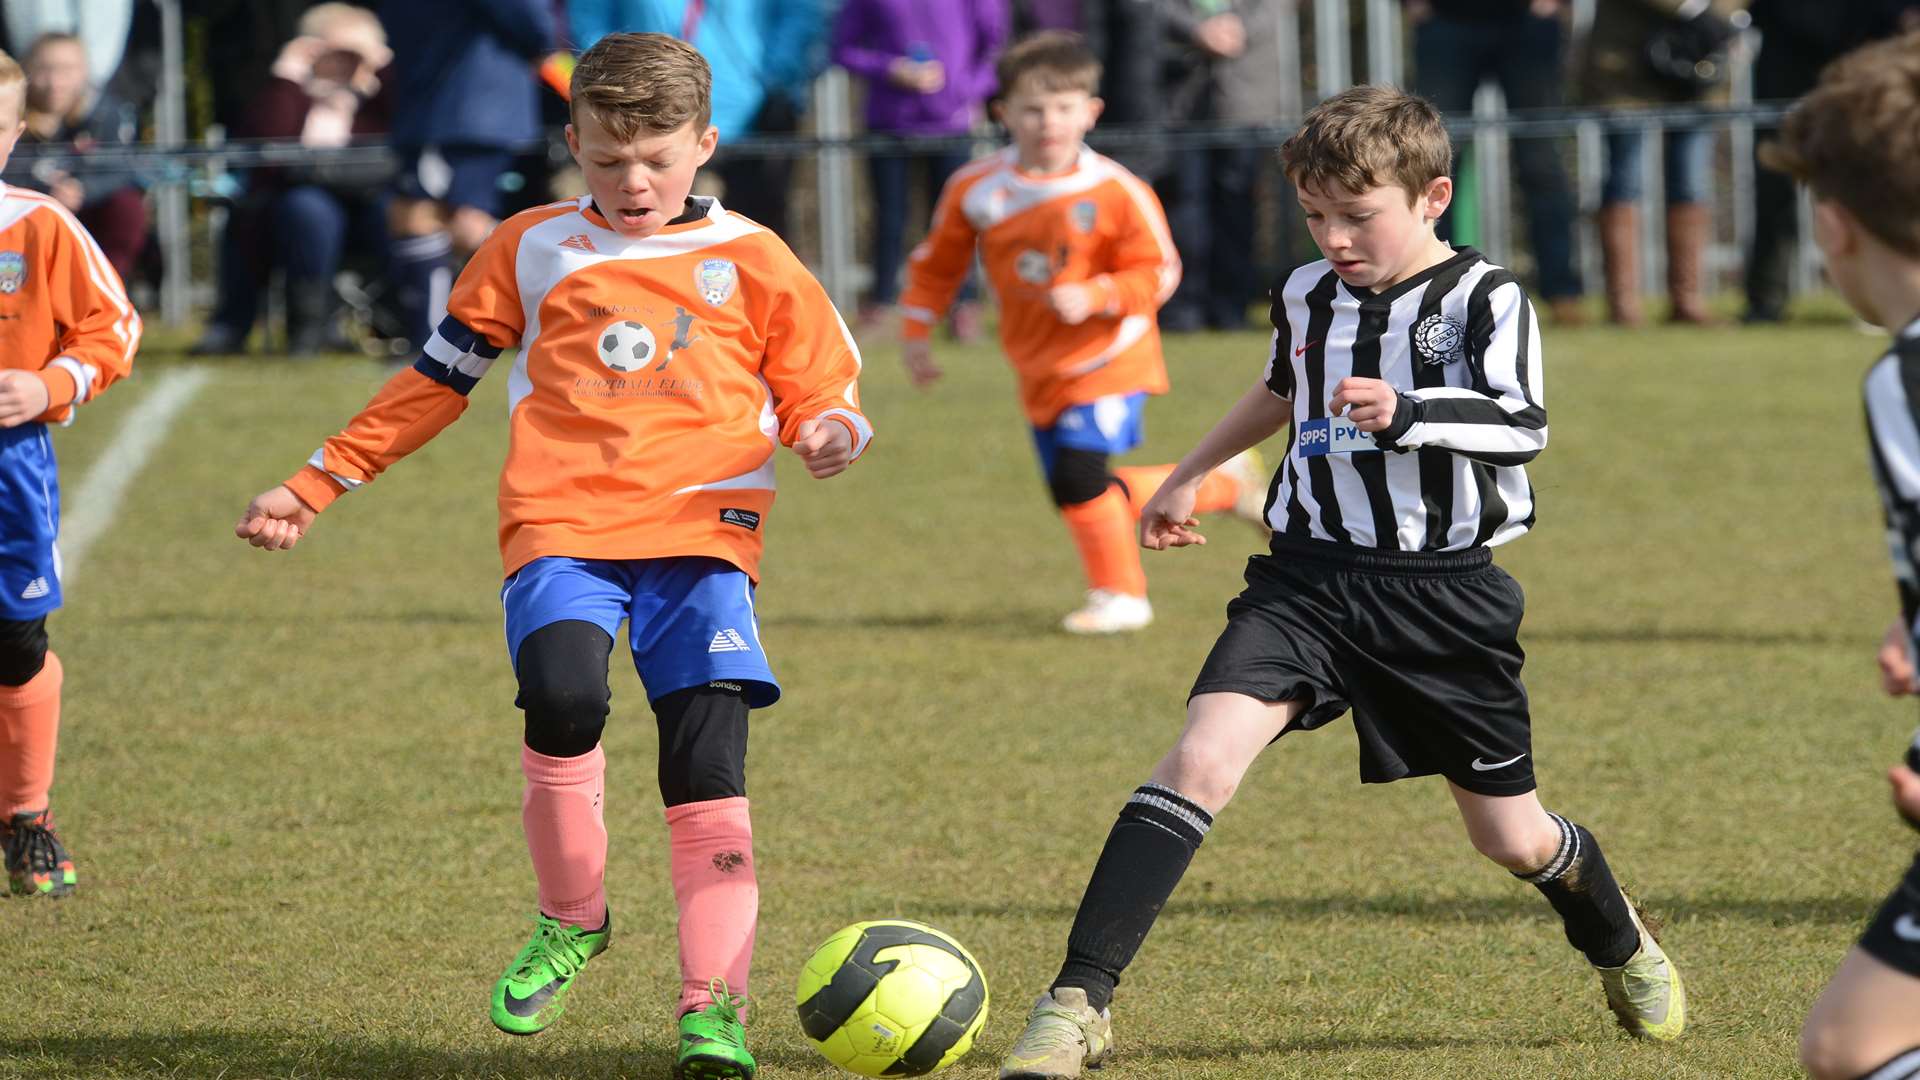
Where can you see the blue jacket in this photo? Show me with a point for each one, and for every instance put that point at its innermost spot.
(463, 70)
(757, 48)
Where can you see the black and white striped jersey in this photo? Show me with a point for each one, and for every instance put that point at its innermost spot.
(1460, 343)
(1893, 429)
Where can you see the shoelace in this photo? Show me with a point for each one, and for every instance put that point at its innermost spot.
(726, 1007)
(552, 944)
(1055, 1036)
(39, 851)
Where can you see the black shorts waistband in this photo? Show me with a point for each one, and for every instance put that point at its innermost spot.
(1381, 561)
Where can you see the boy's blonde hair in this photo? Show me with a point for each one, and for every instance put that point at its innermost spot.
(1855, 140)
(1050, 61)
(13, 86)
(1366, 137)
(636, 84)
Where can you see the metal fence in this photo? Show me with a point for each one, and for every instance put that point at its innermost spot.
(178, 172)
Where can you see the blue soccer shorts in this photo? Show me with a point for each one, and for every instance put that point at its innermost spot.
(690, 619)
(29, 524)
(1110, 425)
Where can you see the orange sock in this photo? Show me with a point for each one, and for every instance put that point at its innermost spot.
(1103, 530)
(1217, 492)
(29, 732)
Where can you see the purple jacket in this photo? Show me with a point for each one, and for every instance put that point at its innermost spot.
(964, 35)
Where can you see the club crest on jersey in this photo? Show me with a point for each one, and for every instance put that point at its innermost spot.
(13, 271)
(1083, 215)
(1033, 267)
(716, 279)
(626, 345)
(1440, 339)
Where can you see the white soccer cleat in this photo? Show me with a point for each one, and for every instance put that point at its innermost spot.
(1109, 613)
(1063, 1036)
(1249, 472)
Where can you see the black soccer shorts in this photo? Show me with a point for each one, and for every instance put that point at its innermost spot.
(1421, 646)
(1894, 934)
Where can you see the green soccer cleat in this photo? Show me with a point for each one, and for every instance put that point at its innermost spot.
(533, 992)
(1646, 993)
(37, 862)
(713, 1041)
(1063, 1036)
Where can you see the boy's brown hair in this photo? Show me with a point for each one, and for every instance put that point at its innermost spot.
(13, 87)
(1855, 140)
(1366, 137)
(636, 84)
(1049, 61)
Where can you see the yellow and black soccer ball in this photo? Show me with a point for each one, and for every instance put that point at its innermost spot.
(892, 998)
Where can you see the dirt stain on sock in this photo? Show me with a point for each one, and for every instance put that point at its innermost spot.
(729, 861)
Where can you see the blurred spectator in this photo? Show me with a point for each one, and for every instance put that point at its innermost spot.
(101, 27)
(764, 55)
(465, 99)
(1223, 69)
(1130, 38)
(1031, 15)
(1520, 44)
(1797, 39)
(929, 71)
(1647, 52)
(63, 108)
(324, 90)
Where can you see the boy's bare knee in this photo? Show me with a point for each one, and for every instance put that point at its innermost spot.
(1824, 1053)
(1200, 773)
(1518, 852)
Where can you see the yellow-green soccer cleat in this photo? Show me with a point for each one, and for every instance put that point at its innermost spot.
(533, 992)
(713, 1039)
(1646, 993)
(1064, 1035)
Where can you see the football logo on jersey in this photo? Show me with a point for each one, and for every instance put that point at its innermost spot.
(716, 279)
(626, 345)
(13, 271)
(1083, 213)
(1440, 339)
(1033, 267)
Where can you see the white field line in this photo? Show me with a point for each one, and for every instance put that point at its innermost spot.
(96, 500)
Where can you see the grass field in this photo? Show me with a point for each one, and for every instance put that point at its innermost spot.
(291, 783)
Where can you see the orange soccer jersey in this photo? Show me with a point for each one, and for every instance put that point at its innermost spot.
(1095, 223)
(64, 313)
(653, 382)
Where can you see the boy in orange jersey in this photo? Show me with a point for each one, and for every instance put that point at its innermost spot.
(1078, 252)
(66, 332)
(666, 348)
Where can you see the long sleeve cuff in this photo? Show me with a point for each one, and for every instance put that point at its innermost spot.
(1406, 413)
(315, 488)
(916, 324)
(62, 389)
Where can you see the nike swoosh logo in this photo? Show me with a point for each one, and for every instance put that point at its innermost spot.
(532, 1003)
(1302, 350)
(1482, 766)
(1906, 928)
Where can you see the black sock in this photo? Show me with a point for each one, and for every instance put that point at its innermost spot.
(1148, 850)
(1577, 882)
(1904, 1065)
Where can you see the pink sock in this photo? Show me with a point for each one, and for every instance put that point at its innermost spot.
(719, 897)
(567, 835)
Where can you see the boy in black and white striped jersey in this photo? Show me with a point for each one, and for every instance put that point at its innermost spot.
(1410, 373)
(1855, 141)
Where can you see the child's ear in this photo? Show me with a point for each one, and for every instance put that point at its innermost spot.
(1095, 106)
(997, 110)
(573, 141)
(1436, 198)
(709, 141)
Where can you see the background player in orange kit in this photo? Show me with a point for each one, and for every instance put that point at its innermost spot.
(666, 347)
(67, 331)
(1079, 255)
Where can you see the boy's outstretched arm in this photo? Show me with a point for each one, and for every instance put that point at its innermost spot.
(812, 366)
(1167, 520)
(1496, 419)
(935, 270)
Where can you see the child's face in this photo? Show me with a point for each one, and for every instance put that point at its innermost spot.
(1375, 237)
(643, 184)
(57, 77)
(1048, 126)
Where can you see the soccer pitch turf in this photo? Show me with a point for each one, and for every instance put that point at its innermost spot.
(291, 782)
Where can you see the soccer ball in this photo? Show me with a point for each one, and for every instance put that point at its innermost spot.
(892, 999)
(626, 346)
